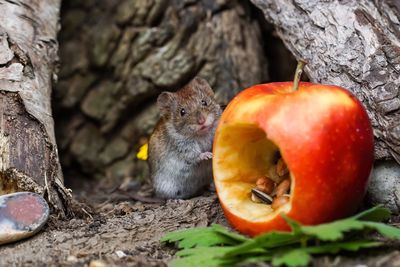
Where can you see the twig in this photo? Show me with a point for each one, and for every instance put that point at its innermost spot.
(87, 213)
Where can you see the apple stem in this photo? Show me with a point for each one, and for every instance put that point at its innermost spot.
(297, 75)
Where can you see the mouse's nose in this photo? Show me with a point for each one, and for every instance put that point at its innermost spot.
(201, 119)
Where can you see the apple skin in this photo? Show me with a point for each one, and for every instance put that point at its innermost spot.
(325, 137)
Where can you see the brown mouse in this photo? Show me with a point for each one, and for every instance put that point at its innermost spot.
(180, 145)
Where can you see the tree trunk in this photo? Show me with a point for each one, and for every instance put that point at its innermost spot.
(28, 59)
(126, 53)
(356, 45)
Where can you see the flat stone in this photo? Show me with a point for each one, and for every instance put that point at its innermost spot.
(22, 215)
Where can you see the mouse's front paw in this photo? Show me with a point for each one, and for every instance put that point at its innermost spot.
(205, 156)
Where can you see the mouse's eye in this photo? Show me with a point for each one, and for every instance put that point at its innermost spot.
(203, 102)
(183, 112)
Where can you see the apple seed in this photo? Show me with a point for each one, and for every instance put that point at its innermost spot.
(265, 198)
(255, 199)
(282, 188)
(265, 185)
(279, 201)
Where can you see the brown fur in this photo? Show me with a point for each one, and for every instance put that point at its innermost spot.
(179, 149)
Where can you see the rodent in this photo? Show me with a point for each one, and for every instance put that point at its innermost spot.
(180, 145)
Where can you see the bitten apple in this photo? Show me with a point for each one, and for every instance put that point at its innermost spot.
(324, 136)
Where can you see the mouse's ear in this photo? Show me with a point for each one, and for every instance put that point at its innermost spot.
(165, 102)
(203, 85)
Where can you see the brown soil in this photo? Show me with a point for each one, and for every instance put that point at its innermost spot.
(116, 230)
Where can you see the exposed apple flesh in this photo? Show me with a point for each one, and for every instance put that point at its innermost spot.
(322, 133)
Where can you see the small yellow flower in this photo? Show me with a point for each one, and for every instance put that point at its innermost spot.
(143, 152)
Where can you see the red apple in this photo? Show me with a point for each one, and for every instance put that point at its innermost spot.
(322, 133)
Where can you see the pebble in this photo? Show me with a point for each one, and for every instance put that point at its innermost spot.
(384, 185)
(120, 253)
(22, 215)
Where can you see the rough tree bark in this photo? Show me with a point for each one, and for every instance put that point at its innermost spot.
(28, 59)
(356, 45)
(117, 56)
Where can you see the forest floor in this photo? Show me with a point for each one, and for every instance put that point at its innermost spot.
(112, 228)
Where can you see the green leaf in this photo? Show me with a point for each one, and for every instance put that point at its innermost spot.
(377, 214)
(196, 237)
(257, 258)
(336, 247)
(384, 229)
(204, 250)
(334, 230)
(201, 256)
(223, 231)
(292, 258)
(217, 246)
(265, 241)
(296, 227)
(301, 256)
(181, 234)
(276, 239)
